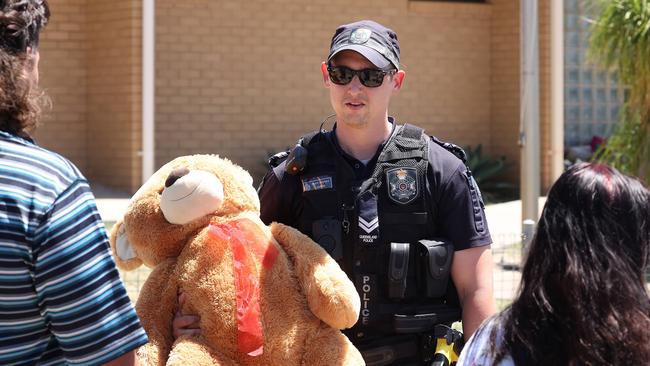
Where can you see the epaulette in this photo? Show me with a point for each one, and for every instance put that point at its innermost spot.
(303, 141)
(452, 148)
(278, 158)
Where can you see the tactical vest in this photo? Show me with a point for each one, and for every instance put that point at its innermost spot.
(382, 232)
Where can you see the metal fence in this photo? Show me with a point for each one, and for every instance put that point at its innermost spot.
(507, 254)
(134, 280)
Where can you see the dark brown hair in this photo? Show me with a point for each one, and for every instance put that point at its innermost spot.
(21, 22)
(583, 297)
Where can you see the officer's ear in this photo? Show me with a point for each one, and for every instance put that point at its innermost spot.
(398, 80)
(326, 77)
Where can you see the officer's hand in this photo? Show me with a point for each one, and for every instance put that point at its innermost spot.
(185, 324)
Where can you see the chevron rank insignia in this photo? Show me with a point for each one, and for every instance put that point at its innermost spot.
(402, 184)
(368, 218)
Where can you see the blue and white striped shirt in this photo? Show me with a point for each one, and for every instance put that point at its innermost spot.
(61, 298)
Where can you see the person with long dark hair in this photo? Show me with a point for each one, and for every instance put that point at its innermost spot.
(583, 298)
(61, 298)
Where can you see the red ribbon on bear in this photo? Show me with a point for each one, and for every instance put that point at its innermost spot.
(246, 237)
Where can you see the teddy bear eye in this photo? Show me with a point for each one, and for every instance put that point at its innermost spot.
(175, 175)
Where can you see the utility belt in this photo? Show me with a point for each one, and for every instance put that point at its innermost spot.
(440, 346)
(395, 322)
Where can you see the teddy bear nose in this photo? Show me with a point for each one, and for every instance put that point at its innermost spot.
(175, 175)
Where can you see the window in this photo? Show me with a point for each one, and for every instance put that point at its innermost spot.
(592, 97)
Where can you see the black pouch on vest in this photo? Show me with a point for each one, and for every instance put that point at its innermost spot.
(398, 265)
(327, 233)
(435, 260)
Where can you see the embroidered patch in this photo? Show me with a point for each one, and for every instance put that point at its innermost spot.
(368, 226)
(366, 285)
(368, 218)
(317, 183)
(402, 184)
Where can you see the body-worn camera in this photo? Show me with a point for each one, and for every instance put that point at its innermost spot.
(327, 233)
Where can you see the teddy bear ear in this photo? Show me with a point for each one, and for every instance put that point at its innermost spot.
(123, 252)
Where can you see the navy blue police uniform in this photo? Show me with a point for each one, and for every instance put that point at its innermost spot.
(392, 224)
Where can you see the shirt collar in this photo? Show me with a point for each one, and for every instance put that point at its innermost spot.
(352, 160)
(26, 139)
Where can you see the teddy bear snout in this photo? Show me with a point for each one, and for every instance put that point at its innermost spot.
(175, 175)
(190, 195)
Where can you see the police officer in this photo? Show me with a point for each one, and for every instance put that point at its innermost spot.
(385, 201)
(396, 208)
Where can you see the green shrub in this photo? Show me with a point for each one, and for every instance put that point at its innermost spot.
(620, 40)
(488, 173)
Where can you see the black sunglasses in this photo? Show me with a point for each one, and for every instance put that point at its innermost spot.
(370, 78)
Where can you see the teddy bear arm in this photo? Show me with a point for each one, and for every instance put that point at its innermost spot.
(329, 347)
(118, 238)
(330, 294)
(156, 304)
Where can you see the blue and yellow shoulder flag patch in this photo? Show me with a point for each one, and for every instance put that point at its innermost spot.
(317, 183)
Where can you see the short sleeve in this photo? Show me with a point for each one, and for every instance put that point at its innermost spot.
(80, 294)
(277, 194)
(460, 212)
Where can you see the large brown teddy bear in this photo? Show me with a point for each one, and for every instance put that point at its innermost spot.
(266, 295)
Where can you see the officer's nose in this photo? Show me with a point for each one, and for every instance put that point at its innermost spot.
(175, 175)
(355, 84)
(355, 88)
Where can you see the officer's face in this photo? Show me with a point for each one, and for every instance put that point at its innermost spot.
(355, 104)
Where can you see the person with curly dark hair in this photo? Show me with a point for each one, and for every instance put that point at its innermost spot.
(583, 298)
(61, 298)
(20, 98)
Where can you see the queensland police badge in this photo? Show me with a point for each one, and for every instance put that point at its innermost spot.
(360, 36)
(402, 184)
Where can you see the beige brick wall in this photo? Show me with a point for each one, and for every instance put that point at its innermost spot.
(90, 67)
(114, 92)
(63, 75)
(505, 82)
(446, 52)
(242, 78)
